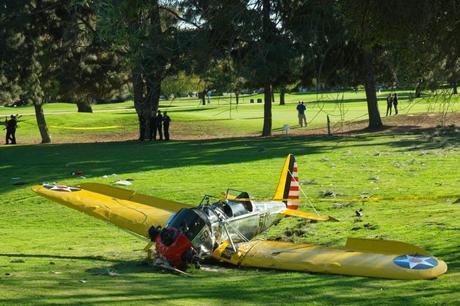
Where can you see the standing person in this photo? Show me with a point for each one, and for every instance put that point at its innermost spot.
(153, 128)
(166, 121)
(159, 123)
(395, 103)
(301, 114)
(11, 126)
(389, 104)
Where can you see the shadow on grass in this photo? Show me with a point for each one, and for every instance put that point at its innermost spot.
(138, 283)
(37, 163)
(52, 256)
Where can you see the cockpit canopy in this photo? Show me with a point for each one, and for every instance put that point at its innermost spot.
(189, 221)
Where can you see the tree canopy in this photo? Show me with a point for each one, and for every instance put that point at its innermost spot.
(85, 49)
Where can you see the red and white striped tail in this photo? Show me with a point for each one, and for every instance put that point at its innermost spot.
(294, 192)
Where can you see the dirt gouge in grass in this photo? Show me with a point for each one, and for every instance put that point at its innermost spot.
(225, 230)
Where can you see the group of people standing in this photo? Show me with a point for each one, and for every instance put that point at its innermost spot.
(160, 125)
(10, 126)
(392, 101)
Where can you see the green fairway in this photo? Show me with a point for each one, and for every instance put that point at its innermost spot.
(191, 120)
(50, 254)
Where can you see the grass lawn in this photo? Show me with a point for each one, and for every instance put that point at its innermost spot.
(191, 120)
(50, 254)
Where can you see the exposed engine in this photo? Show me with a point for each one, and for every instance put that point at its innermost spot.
(192, 234)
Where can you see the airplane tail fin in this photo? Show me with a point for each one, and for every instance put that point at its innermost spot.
(288, 185)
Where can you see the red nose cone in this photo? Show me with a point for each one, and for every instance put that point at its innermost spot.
(171, 244)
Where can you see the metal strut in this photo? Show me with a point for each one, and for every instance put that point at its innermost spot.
(229, 237)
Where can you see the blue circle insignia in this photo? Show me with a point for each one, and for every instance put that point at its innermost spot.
(416, 262)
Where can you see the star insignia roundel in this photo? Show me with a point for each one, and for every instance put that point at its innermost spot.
(416, 262)
(60, 188)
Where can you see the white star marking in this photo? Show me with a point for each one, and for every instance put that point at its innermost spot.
(61, 188)
(415, 261)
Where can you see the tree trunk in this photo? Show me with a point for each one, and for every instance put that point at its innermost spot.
(138, 92)
(84, 106)
(147, 85)
(203, 97)
(237, 97)
(454, 87)
(267, 129)
(151, 103)
(375, 122)
(266, 39)
(41, 122)
(282, 94)
(272, 94)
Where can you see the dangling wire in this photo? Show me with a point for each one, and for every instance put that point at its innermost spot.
(305, 195)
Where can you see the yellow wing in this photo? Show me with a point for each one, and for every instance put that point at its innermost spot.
(124, 208)
(360, 257)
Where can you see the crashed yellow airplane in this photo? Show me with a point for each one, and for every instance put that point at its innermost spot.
(224, 230)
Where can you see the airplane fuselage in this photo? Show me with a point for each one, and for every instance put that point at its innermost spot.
(237, 221)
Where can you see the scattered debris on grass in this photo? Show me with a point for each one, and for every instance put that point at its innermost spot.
(374, 178)
(123, 183)
(212, 269)
(77, 173)
(370, 226)
(365, 195)
(83, 281)
(111, 272)
(359, 213)
(328, 194)
(299, 233)
(338, 205)
(17, 261)
(397, 165)
(108, 175)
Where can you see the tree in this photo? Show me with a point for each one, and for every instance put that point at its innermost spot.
(30, 36)
(246, 39)
(180, 83)
(89, 69)
(48, 50)
(431, 27)
(149, 35)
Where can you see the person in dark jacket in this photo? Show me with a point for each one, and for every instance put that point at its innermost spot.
(395, 103)
(301, 108)
(153, 128)
(389, 104)
(11, 125)
(166, 121)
